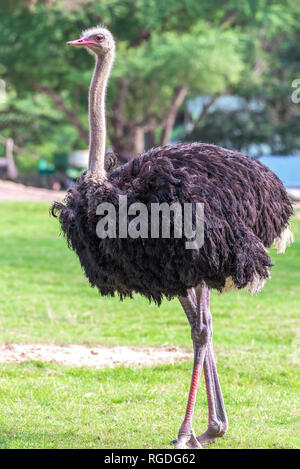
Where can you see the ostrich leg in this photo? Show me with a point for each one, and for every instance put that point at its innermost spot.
(201, 336)
(217, 421)
(217, 418)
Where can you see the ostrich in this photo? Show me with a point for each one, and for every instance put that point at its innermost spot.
(246, 209)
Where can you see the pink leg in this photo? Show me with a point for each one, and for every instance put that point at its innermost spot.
(200, 332)
(217, 418)
(196, 307)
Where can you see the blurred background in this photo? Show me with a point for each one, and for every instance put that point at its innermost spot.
(223, 72)
(217, 71)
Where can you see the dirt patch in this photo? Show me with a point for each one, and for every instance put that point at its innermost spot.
(10, 191)
(95, 357)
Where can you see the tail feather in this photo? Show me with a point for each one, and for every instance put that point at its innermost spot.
(285, 238)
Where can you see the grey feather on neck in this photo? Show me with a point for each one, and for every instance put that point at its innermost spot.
(97, 120)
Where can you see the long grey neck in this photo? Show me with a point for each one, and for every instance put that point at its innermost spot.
(97, 115)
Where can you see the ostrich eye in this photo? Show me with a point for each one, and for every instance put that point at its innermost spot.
(99, 37)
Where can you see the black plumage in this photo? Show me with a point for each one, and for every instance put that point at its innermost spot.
(245, 207)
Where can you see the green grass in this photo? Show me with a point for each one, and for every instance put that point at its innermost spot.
(45, 298)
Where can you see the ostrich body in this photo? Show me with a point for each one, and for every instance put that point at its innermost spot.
(246, 209)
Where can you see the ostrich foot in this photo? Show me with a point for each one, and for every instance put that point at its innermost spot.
(206, 440)
(187, 441)
(213, 432)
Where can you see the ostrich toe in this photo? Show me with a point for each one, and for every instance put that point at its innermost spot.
(187, 441)
(214, 431)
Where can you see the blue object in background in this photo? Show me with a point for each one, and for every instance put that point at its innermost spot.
(287, 168)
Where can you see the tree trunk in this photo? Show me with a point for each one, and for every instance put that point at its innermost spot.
(138, 141)
(169, 121)
(149, 139)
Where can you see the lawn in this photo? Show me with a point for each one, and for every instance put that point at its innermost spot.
(45, 298)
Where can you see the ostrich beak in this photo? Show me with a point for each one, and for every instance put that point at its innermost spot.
(82, 42)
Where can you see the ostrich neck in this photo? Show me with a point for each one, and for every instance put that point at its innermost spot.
(97, 114)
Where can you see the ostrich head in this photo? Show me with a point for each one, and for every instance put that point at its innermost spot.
(98, 40)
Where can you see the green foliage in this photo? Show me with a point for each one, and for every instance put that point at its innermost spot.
(27, 164)
(159, 66)
(157, 43)
(209, 47)
(273, 63)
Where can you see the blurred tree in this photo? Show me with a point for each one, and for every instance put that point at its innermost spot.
(268, 119)
(166, 50)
